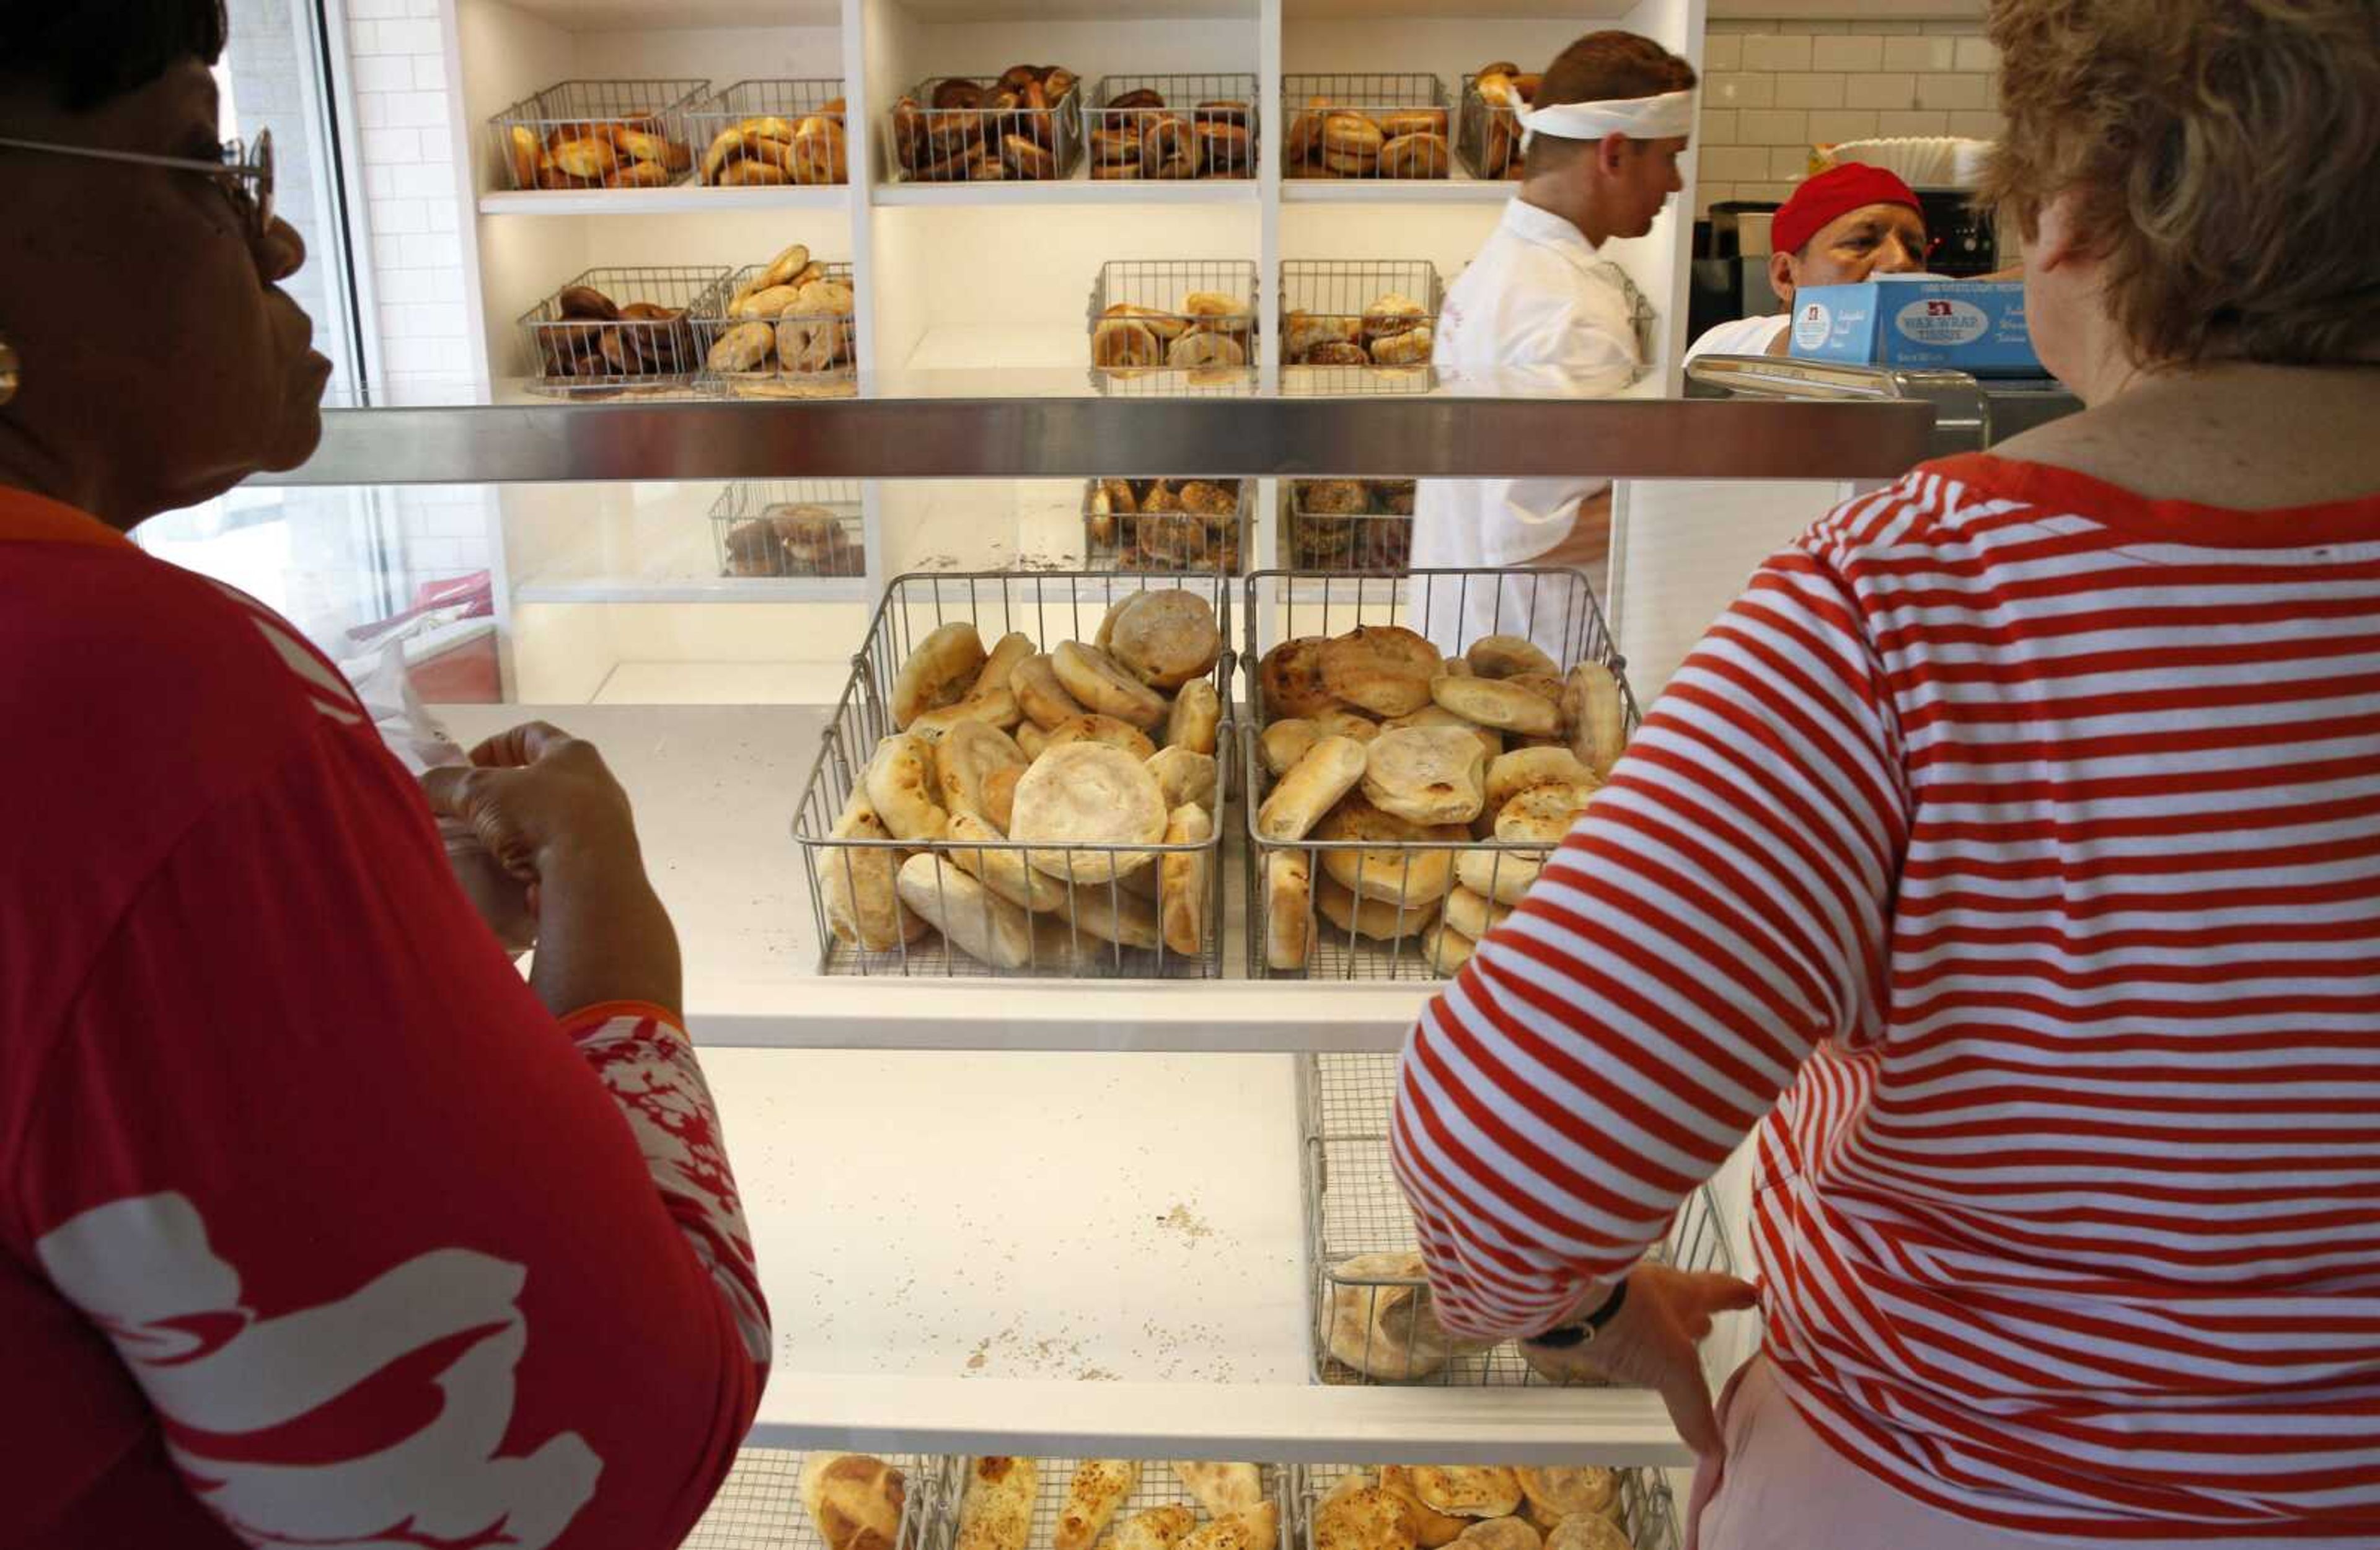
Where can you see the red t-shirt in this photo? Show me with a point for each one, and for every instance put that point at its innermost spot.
(314, 1223)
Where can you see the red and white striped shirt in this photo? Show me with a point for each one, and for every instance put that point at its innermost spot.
(2018, 839)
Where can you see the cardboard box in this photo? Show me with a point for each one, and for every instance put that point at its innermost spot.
(1975, 326)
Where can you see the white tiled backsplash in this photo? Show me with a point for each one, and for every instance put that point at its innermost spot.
(1773, 89)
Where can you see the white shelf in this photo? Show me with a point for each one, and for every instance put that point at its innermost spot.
(690, 589)
(680, 199)
(995, 346)
(1071, 1253)
(715, 786)
(1078, 190)
(641, 16)
(1397, 190)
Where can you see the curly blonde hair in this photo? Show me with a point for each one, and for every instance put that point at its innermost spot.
(2222, 153)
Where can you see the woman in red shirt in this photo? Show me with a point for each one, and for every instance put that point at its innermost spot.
(320, 1226)
(2007, 860)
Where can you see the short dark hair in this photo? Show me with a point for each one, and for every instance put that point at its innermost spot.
(85, 53)
(1603, 66)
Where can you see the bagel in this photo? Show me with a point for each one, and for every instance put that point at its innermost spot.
(1502, 876)
(1394, 871)
(1507, 657)
(1586, 1530)
(1033, 739)
(1289, 910)
(1414, 121)
(1312, 788)
(1368, 917)
(996, 708)
(1281, 744)
(1421, 153)
(939, 672)
(1392, 314)
(1115, 912)
(1347, 724)
(1474, 914)
(1384, 1332)
(966, 757)
(1491, 1534)
(1445, 950)
(1091, 727)
(862, 904)
(1411, 347)
(1202, 350)
(1351, 135)
(1000, 869)
(1598, 718)
(1543, 815)
(1007, 654)
(1125, 342)
(1494, 703)
(1558, 1493)
(1038, 692)
(970, 917)
(1432, 1529)
(1426, 775)
(1182, 900)
(1385, 669)
(1360, 1517)
(1290, 678)
(904, 789)
(1000, 794)
(1165, 637)
(1515, 772)
(1195, 718)
(1087, 795)
(1103, 685)
(1491, 742)
(1468, 1491)
(1185, 775)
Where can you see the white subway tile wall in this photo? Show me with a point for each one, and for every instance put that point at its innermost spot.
(1774, 90)
(413, 190)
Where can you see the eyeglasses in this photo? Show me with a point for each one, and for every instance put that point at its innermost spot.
(244, 172)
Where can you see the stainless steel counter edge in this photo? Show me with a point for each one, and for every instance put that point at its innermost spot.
(1035, 438)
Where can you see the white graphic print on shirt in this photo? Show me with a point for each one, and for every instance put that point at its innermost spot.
(246, 1402)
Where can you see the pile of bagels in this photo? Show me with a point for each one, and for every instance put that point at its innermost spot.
(1503, 88)
(633, 151)
(1393, 331)
(1332, 140)
(1133, 133)
(1208, 331)
(589, 334)
(987, 131)
(1405, 759)
(1005, 1500)
(1165, 524)
(768, 150)
(1429, 1507)
(789, 316)
(1022, 785)
(1350, 524)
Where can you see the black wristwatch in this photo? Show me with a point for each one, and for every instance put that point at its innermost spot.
(1565, 1336)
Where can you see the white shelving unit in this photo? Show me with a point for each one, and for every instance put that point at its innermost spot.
(960, 277)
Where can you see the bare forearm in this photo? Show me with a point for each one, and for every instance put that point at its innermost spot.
(602, 935)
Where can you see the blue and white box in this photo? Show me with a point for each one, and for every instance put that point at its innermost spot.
(1977, 326)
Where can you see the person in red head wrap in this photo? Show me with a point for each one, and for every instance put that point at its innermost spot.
(1839, 227)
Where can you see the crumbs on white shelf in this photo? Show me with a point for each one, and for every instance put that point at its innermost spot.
(1186, 1222)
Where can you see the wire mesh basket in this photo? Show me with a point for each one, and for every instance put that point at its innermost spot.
(1361, 1334)
(789, 527)
(1486, 135)
(1195, 525)
(1364, 126)
(990, 128)
(1370, 322)
(1370, 908)
(757, 133)
(1174, 126)
(613, 329)
(1110, 892)
(1347, 526)
(741, 354)
(1157, 1486)
(597, 134)
(759, 1507)
(1174, 325)
(1642, 1505)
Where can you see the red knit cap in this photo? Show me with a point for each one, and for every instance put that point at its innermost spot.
(1832, 194)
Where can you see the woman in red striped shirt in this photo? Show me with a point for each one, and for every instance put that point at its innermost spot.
(2012, 845)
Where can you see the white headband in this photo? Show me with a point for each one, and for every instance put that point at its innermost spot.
(1668, 116)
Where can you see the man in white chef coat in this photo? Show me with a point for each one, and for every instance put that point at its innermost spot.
(1603, 139)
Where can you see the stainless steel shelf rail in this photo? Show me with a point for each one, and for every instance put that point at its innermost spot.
(1455, 437)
